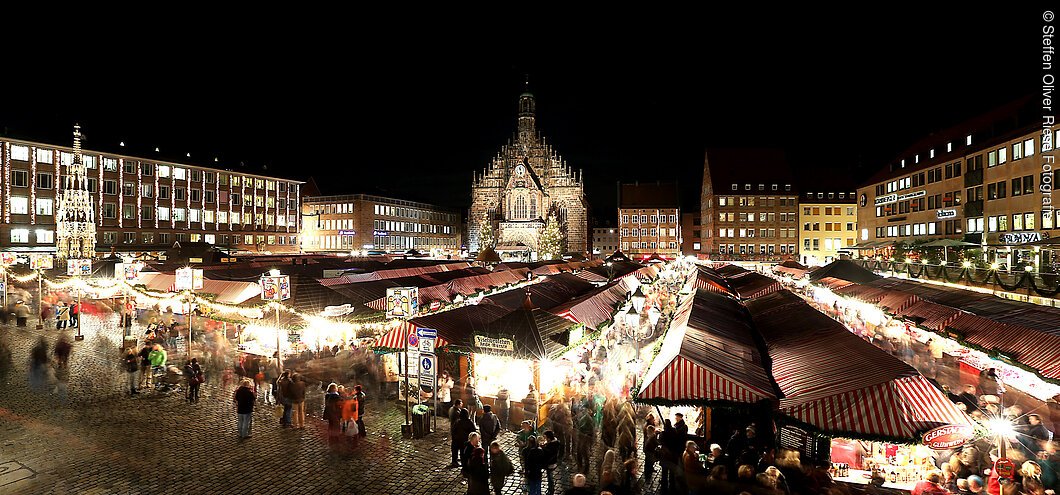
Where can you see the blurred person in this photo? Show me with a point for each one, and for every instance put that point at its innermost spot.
(194, 376)
(296, 391)
(478, 473)
(650, 447)
(461, 432)
(445, 395)
(333, 414)
(244, 398)
(359, 396)
(584, 436)
(976, 484)
(578, 486)
(131, 362)
(500, 467)
(38, 364)
(62, 316)
(75, 313)
(533, 463)
(552, 450)
(22, 313)
(62, 351)
(489, 425)
(145, 365)
(283, 383)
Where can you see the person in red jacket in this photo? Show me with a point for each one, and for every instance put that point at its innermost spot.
(931, 486)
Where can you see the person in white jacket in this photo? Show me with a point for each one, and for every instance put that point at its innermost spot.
(445, 395)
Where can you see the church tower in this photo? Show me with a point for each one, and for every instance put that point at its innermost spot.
(75, 232)
(527, 126)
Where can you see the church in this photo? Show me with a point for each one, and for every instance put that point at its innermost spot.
(521, 191)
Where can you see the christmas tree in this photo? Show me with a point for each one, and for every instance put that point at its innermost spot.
(485, 235)
(549, 245)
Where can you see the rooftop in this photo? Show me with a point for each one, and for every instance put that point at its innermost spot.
(648, 195)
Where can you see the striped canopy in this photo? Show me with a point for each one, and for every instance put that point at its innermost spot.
(396, 340)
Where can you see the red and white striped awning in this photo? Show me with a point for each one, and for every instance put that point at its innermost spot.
(1037, 350)
(900, 408)
(397, 339)
(684, 380)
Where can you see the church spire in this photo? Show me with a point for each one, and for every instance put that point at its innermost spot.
(527, 110)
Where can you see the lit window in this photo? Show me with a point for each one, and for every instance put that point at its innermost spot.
(1028, 147)
(89, 161)
(20, 235)
(19, 152)
(66, 158)
(19, 205)
(45, 236)
(44, 156)
(968, 140)
(44, 206)
(180, 173)
(209, 239)
(193, 214)
(163, 213)
(110, 164)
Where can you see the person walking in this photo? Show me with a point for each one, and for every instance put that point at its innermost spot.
(193, 373)
(445, 394)
(478, 473)
(500, 467)
(551, 450)
(489, 425)
(132, 365)
(145, 365)
(455, 443)
(282, 387)
(461, 433)
(62, 351)
(333, 415)
(157, 358)
(22, 313)
(533, 463)
(62, 316)
(359, 396)
(296, 392)
(585, 436)
(75, 315)
(244, 399)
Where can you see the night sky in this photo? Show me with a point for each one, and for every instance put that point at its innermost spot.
(410, 112)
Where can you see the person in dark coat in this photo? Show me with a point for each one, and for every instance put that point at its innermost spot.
(461, 431)
(244, 399)
(282, 386)
(454, 447)
(296, 391)
(360, 397)
(132, 365)
(478, 474)
(193, 374)
(585, 435)
(552, 450)
(333, 414)
(489, 426)
(533, 463)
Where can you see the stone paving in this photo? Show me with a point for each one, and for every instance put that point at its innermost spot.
(102, 441)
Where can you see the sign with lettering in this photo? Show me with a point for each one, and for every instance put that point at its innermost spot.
(347, 233)
(941, 214)
(428, 366)
(1019, 237)
(894, 197)
(380, 233)
(948, 437)
(41, 262)
(494, 344)
(1005, 468)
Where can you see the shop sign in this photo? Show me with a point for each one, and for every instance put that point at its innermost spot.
(894, 197)
(1019, 237)
(8, 259)
(41, 262)
(941, 214)
(188, 279)
(494, 344)
(948, 437)
(402, 302)
(380, 233)
(275, 288)
(347, 233)
(293, 337)
(78, 267)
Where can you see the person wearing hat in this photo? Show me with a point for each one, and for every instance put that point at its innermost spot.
(21, 313)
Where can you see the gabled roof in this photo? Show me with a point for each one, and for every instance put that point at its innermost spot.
(538, 334)
(753, 166)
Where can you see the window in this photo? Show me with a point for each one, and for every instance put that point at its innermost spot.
(128, 212)
(1017, 221)
(129, 167)
(19, 152)
(178, 214)
(207, 216)
(20, 235)
(110, 164)
(147, 190)
(93, 184)
(210, 179)
(196, 175)
(44, 156)
(147, 169)
(45, 236)
(129, 189)
(110, 210)
(89, 161)
(180, 174)
(163, 171)
(44, 180)
(1028, 147)
(222, 179)
(110, 187)
(163, 192)
(44, 206)
(193, 215)
(20, 178)
(128, 237)
(1028, 221)
(163, 213)
(148, 237)
(147, 213)
(110, 237)
(19, 205)
(178, 193)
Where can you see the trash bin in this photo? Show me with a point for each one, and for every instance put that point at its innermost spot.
(421, 421)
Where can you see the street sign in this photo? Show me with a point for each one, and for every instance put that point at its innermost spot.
(414, 340)
(428, 364)
(427, 345)
(427, 333)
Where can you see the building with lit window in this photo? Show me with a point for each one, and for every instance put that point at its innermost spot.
(987, 181)
(829, 225)
(144, 205)
(649, 220)
(748, 206)
(361, 222)
(605, 241)
(691, 233)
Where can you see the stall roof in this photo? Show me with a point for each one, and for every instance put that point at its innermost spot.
(228, 292)
(537, 334)
(549, 293)
(1029, 347)
(845, 270)
(751, 285)
(708, 356)
(929, 315)
(599, 305)
(840, 384)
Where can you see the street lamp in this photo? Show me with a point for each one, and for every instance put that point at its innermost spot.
(638, 298)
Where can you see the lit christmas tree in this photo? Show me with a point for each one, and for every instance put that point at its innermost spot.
(550, 241)
(485, 236)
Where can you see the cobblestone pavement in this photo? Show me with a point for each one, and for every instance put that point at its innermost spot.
(102, 441)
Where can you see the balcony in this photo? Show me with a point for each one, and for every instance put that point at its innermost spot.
(973, 178)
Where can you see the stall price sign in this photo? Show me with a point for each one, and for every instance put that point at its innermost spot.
(402, 302)
(428, 363)
(275, 288)
(78, 268)
(494, 344)
(8, 259)
(41, 262)
(189, 279)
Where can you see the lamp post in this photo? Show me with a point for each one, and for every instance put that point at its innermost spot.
(40, 299)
